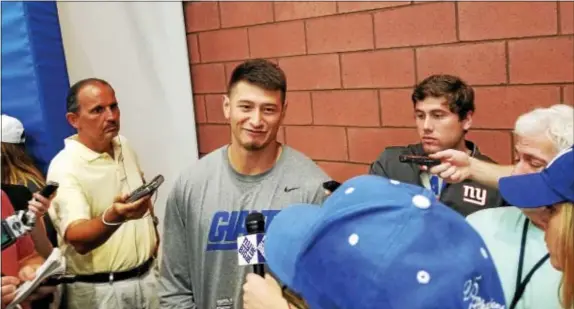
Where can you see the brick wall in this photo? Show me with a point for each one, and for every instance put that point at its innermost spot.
(351, 67)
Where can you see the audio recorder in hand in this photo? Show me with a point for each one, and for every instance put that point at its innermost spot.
(146, 189)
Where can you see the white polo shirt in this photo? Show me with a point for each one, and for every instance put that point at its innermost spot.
(501, 228)
(89, 182)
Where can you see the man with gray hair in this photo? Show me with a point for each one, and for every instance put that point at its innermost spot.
(515, 237)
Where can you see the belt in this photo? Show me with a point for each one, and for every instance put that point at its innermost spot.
(115, 276)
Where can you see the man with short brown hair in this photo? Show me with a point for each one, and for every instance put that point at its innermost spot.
(443, 110)
(207, 208)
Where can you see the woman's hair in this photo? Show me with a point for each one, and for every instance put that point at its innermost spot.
(18, 167)
(294, 299)
(566, 244)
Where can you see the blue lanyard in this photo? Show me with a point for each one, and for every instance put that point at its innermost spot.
(434, 183)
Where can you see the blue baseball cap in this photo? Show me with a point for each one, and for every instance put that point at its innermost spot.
(379, 243)
(554, 184)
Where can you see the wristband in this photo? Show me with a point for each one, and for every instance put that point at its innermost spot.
(109, 223)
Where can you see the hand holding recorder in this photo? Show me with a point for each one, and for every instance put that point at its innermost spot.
(455, 165)
(41, 202)
(136, 205)
(131, 211)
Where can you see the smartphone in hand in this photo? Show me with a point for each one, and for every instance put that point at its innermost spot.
(49, 189)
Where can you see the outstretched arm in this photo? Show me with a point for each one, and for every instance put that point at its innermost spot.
(458, 166)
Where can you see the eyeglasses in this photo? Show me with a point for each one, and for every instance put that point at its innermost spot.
(293, 298)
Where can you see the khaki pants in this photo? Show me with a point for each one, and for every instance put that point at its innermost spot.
(132, 293)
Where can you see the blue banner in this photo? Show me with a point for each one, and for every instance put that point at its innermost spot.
(34, 76)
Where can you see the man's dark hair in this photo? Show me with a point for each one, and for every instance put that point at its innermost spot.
(262, 73)
(458, 95)
(72, 104)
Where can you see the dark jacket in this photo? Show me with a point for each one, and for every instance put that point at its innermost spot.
(465, 197)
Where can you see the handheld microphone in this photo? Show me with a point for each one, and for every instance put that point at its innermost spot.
(16, 226)
(23, 221)
(250, 248)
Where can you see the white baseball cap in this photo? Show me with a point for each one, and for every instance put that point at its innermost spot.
(12, 130)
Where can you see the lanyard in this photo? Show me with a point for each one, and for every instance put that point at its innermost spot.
(521, 285)
(434, 183)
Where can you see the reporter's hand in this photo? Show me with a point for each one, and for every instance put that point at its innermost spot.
(9, 285)
(134, 210)
(39, 204)
(262, 293)
(455, 166)
(28, 273)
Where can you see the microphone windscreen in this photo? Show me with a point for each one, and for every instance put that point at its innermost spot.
(255, 216)
(255, 223)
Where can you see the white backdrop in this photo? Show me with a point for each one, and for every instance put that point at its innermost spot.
(140, 48)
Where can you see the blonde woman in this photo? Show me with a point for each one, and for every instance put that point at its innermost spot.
(19, 173)
(553, 186)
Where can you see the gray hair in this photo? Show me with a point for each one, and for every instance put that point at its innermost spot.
(556, 122)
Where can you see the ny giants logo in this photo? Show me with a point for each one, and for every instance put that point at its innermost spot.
(474, 195)
(226, 226)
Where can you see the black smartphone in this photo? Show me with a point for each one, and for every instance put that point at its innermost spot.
(420, 160)
(331, 185)
(146, 189)
(49, 189)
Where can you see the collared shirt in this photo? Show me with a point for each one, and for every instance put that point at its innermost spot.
(501, 229)
(89, 182)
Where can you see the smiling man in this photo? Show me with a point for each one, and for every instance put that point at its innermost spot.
(210, 201)
(443, 109)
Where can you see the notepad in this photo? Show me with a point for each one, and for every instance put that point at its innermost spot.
(54, 265)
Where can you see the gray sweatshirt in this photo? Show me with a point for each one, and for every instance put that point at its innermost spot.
(205, 214)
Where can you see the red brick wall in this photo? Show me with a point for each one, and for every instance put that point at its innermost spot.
(351, 67)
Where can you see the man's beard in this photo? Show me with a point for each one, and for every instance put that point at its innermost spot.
(253, 146)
